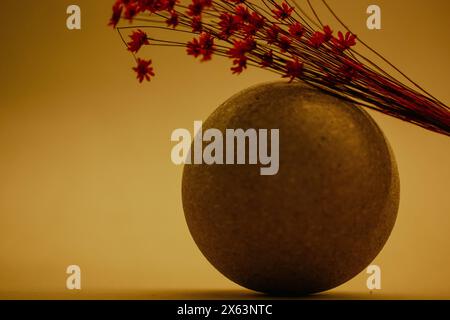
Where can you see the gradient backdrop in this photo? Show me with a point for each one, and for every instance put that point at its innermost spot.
(85, 170)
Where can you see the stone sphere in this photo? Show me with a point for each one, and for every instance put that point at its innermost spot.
(321, 219)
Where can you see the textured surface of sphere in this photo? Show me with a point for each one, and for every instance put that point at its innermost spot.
(321, 219)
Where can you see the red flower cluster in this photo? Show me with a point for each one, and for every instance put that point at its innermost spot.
(228, 25)
(240, 26)
(282, 12)
(242, 13)
(138, 39)
(116, 15)
(241, 47)
(172, 21)
(204, 46)
(196, 24)
(131, 8)
(327, 33)
(272, 37)
(284, 43)
(239, 65)
(238, 53)
(195, 9)
(296, 30)
(344, 42)
(144, 70)
(318, 38)
(255, 23)
(242, 19)
(272, 33)
(294, 69)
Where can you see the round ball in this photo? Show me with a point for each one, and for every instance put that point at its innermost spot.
(321, 219)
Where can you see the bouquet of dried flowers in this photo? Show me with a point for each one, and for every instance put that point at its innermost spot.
(283, 38)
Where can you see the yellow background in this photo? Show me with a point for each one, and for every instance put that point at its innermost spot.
(85, 170)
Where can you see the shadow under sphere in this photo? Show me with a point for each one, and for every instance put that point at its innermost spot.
(321, 219)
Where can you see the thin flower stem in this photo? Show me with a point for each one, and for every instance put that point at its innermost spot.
(315, 13)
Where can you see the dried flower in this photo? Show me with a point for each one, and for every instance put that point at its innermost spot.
(228, 25)
(327, 33)
(239, 65)
(117, 13)
(241, 47)
(344, 42)
(294, 69)
(144, 70)
(282, 12)
(296, 30)
(284, 43)
(242, 14)
(196, 24)
(197, 6)
(204, 46)
(272, 34)
(317, 39)
(172, 20)
(131, 10)
(138, 39)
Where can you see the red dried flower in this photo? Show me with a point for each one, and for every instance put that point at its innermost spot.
(296, 30)
(282, 12)
(257, 20)
(117, 13)
(170, 4)
(317, 39)
(146, 5)
(138, 39)
(207, 45)
(144, 70)
(242, 13)
(197, 6)
(284, 43)
(228, 25)
(159, 5)
(239, 65)
(272, 34)
(131, 10)
(294, 69)
(204, 46)
(344, 42)
(327, 33)
(196, 24)
(172, 21)
(254, 24)
(241, 47)
(193, 48)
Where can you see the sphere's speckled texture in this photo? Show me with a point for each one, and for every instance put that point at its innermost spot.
(317, 223)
